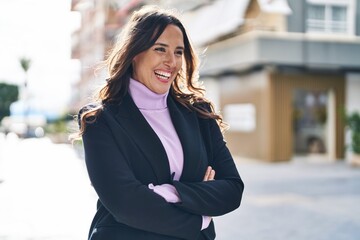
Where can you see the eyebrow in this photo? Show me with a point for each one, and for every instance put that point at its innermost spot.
(165, 45)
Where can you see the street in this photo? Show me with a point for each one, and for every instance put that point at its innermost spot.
(46, 194)
(297, 201)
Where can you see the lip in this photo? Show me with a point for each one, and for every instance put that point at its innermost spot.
(162, 80)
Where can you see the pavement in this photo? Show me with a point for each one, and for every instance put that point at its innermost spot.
(296, 200)
(46, 195)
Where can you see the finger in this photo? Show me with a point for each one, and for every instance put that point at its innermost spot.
(212, 175)
(207, 173)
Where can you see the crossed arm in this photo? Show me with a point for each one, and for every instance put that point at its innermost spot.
(138, 206)
(170, 194)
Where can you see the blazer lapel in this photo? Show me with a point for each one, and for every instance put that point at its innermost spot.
(130, 117)
(186, 125)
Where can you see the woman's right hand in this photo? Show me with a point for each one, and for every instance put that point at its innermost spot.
(209, 174)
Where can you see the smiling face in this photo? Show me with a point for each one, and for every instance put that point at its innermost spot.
(158, 66)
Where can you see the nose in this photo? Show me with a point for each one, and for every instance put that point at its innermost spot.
(170, 60)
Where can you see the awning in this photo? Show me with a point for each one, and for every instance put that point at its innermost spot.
(274, 6)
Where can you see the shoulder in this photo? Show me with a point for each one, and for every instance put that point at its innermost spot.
(89, 113)
(98, 109)
(89, 107)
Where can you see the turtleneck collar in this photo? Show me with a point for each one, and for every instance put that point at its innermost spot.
(144, 98)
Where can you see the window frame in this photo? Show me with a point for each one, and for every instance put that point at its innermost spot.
(328, 20)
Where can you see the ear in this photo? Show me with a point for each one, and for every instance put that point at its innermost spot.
(133, 62)
(135, 58)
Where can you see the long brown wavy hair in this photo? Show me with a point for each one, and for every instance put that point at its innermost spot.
(140, 33)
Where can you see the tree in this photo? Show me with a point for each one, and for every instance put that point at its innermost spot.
(8, 94)
(25, 65)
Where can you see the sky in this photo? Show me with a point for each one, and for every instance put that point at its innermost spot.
(39, 30)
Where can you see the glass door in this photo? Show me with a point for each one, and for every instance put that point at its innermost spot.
(310, 118)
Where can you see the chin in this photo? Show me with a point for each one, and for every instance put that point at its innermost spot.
(161, 90)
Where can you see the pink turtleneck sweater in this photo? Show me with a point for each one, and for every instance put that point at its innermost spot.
(153, 106)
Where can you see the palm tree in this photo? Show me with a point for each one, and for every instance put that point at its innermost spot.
(25, 65)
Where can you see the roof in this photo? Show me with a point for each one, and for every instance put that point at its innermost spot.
(223, 17)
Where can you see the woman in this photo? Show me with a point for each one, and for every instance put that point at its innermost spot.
(153, 149)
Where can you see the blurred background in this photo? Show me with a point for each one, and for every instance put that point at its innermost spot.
(285, 75)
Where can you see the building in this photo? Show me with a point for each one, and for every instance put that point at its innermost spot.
(281, 72)
(88, 45)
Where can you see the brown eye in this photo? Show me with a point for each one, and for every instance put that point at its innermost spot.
(160, 49)
(179, 53)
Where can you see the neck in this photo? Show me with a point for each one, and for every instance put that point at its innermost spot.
(144, 98)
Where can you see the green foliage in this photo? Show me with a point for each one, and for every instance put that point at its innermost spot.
(25, 63)
(353, 122)
(9, 93)
(56, 127)
(59, 125)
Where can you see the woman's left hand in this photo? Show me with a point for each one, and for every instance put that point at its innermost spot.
(209, 174)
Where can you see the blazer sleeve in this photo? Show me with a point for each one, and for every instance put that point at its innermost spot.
(126, 198)
(220, 196)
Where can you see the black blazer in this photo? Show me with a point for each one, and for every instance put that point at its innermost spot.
(123, 155)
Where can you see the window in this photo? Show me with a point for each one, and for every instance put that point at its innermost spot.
(334, 16)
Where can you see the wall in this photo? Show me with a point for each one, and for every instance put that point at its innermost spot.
(296, 20)
(352, 92)
(259, 20)
(270, 90)
(357, 18)
(250, 88)
(212, 87)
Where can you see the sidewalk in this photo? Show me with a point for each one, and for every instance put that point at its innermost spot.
(46, 194)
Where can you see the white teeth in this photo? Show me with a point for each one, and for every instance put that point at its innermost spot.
(165, 78)
(161, 74)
